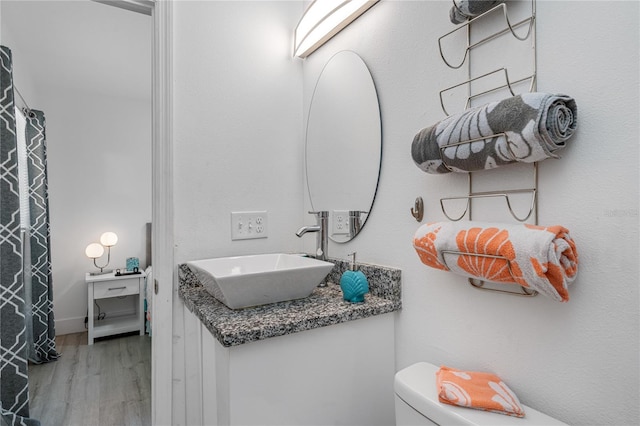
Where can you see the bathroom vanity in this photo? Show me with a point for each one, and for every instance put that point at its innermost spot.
(317, 360)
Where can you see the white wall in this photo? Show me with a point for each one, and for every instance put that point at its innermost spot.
(578, 361)
(237, 125)
(22, 76)
(238, 140)
(99, 180)
(98, 135)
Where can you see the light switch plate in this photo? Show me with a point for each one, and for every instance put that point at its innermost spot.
(249, 225)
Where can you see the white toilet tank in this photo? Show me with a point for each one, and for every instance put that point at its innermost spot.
(417, 403)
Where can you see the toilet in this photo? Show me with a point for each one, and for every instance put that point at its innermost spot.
(416, 401)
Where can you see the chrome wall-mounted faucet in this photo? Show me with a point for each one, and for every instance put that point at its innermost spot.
(322, 229)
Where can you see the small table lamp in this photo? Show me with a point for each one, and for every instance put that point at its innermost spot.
(96, 250)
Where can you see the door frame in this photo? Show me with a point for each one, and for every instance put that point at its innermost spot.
(164, 271)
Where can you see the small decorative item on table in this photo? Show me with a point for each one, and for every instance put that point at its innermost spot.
(133, 263)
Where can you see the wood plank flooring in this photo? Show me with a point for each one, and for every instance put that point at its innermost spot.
(108, 383)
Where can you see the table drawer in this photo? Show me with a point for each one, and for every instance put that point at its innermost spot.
(116, 288)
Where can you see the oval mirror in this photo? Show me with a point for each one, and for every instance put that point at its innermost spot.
(344, 145)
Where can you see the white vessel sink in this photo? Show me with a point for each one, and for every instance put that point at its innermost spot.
(244, 281)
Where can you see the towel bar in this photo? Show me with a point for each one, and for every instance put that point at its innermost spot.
(487, 194)
(510, 28)
(505, 193)
(508, 85)
(498, 193)
(469, 141)
(533, 208)
(524, 291)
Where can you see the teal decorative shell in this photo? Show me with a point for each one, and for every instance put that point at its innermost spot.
(354, 286)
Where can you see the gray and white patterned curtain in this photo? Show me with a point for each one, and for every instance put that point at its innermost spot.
(41, 341)
(14, 381)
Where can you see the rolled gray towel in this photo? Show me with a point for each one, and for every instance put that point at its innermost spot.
(536, 125)
(463, 10)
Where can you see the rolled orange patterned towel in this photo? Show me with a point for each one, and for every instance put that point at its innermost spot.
(540, 258)
(482, 391)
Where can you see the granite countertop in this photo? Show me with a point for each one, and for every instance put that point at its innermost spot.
(323, 307)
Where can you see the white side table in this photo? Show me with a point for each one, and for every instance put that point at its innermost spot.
(110, 285)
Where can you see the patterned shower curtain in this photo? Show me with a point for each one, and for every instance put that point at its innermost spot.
(42, 345)
(14, 381)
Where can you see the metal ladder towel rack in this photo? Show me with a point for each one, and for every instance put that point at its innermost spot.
(509, 85)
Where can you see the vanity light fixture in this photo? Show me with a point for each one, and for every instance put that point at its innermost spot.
(96, 250)
(322, 20)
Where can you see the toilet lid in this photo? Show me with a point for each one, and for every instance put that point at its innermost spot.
(416, 386)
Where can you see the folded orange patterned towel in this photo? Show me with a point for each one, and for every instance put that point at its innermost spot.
(482, 391)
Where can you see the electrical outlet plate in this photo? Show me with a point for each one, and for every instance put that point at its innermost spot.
(249, 225)
(340, 222)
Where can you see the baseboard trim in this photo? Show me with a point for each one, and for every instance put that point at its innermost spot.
(69, 325)
(76, 325)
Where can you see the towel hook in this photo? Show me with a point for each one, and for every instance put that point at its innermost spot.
(417, 211)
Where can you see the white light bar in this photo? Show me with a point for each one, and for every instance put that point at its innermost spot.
(322, 20)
